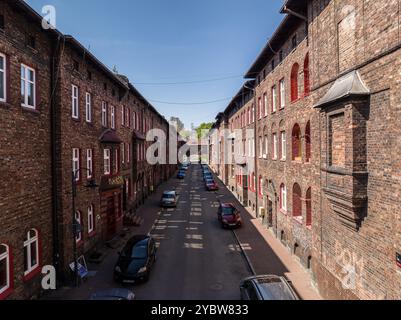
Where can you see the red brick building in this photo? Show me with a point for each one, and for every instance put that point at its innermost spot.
(64, 114)
(327, 143)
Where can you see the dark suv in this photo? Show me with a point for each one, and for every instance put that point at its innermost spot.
(268, 287)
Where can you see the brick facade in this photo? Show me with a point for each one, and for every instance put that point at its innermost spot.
(341, 169)
(81, 112)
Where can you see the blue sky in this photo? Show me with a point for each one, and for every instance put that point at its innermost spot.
(170, 41)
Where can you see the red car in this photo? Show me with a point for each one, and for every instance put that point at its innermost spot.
(211, 185)
(229, 216)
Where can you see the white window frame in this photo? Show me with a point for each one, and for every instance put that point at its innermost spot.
(274, 98)
(266, 143)
(122, 115)
(4, 72)
(283, 145)
(27, 244)
(275, 146)
(261, 147)
(106, 162)
(25, 83)
(104, 114)
(127, 117)
(266, 104)
(113, 117)
(6, 256)
(78, 218)
(91, 220)
(283, 196)
(89, 163)
(282, 93)
(88, 105)
(74, 102)
(75, 163)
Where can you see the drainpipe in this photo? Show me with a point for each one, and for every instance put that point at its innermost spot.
(293, 13)
(54, 65)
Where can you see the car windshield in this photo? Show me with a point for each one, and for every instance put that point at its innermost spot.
(275, 289)
(168, 196)
(228, 211)
(138, 251)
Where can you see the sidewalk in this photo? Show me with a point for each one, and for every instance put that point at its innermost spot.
(266, 253)
(102, 274)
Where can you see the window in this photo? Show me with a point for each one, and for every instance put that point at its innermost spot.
(75, 102)
(265, 103)
(274, 99)
(308, 151)
(88, 107)
(253, 113)
(283, 198)
(106, 161)
(104, 114)
(294, 82)
(75, 163)
(260, 186)
(128, 153)
(273, 66)
(3, 78)
(91, 220)
(89, 163)
(122, 116)
(306, 76)
(283, 149)
(78, 221)
(113, 117)
(309, 207)
(297, 202)
(260, 147)
(275, 145)
(5, 272)
(31, 251)
(127, 117)
(296, 143)
(266, 151)
(123, 152)
(282, 93)
(28, 87)
(117, 161)
(134, 119)
(281, 56)
(260, 112)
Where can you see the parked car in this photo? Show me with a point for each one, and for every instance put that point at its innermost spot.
(268, 287)
(211, 185)
(181, 174)
(169, 199)
(136, 260)
(113, 294)
(207, 176)
(229, 216)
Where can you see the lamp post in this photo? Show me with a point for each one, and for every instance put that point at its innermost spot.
(75, 225)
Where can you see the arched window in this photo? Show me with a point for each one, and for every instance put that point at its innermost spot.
(296, 201)
(283, 197)
(31, 251)
(5, 269)
(307, 142)
(306, 76)
(294, 82)
(296, 143)
(309, 207)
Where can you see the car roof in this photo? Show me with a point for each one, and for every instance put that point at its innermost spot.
(227, 205)
(138, 238)
(273, 287)
(113, 294)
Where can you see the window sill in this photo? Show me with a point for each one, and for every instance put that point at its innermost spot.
(6, 293)
(296, 100)
(32, 274)
(298, 220)
(75, 119)
(5, 104)
(80, 243)
(283, 211)
(92, 234)
(309, 228)
(30, 110)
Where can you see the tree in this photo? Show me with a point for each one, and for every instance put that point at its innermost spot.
(204, 126)
(179, 125)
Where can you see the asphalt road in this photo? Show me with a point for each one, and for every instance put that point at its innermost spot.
(196, 258)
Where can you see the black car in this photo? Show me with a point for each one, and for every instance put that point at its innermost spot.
(136, 260)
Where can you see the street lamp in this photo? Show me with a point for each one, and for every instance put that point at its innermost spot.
(91, 185)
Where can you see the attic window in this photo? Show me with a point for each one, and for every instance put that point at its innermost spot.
(89, 75)
(294, 42)
(1, 22)
(280, 55)
(31, 41)
(273, 65)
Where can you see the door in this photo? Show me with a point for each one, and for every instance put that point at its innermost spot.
(270, 213)
(111, 218)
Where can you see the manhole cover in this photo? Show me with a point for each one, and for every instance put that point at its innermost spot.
(217, 287)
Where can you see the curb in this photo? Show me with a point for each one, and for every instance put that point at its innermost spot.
(248, 261)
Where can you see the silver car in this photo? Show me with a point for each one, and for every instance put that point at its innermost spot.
(169, 199)
(268, 287)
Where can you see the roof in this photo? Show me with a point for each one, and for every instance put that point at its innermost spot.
(298, 6)
(109, 136)
(349, 85)
(238, 98)
(286, 27)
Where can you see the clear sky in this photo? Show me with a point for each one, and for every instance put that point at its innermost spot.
(156, 42)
